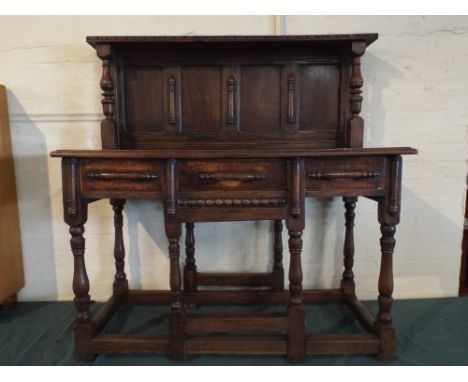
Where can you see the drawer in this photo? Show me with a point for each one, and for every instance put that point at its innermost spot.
(329, 174)
(129, 177)
(226, 175)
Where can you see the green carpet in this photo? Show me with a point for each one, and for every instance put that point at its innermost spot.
(429, 332)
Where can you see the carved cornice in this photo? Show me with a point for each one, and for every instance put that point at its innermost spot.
(367, 38)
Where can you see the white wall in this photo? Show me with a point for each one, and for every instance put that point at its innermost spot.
(415, 93)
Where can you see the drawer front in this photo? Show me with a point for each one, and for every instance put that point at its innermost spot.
(330, 174)
(132, 177)
(240, 175)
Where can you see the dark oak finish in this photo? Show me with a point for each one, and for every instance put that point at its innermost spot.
(226, 128)
(295, 225)
(120, 282)
(342, 344)
(236, 345)
(277, 283)
(225, 323)
(191, 275)
(347, 282)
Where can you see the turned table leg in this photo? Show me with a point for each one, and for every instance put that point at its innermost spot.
(278, 271)
(190, 268)
(347, 281)
(296, 313)
(120, 286)
(389, 217)
(384, 318)
(177, 311)
(75, 215)
(83, 330)
(173, 231)
(295, 224)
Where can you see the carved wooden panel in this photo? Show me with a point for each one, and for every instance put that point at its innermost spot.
(227, 94)
(144, 116)
(319, 97)
(201, 99)
(260, 99)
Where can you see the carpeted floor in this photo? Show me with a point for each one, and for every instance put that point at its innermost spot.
(429, 332)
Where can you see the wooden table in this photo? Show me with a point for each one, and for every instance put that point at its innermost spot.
(233, 128)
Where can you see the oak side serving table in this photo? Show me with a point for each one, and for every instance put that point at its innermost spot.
(232, 128)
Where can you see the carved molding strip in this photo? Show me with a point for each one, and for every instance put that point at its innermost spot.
(344, 175)
(219, 176)
(231, 117)
(171, 185)
(291, 99)
(171, 85)
(297, 187)
(72, 202)
(369, 37)
(231, 202)
(393, 207)
(142, 176)
(395, 174)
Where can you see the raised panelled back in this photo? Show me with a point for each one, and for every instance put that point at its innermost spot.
(319, 97)
(201, 99)
(144, 116)
(216, 97)
(260, 99)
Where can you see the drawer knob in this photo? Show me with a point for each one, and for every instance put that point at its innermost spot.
(139, 176)
(219, 176)
(344, 175)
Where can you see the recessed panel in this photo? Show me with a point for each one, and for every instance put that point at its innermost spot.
(201, 99)
(260, 99)
(319, 87)
(143, 99)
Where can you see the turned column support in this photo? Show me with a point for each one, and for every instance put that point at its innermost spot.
(82, 299)
(278, 270)
(120, 286)
(389, 217)
(295, 225)
(190, 269)
(76, 215)
(109, 134)
(347, 281)
(355, 135)
(177, 311)
(173, 232)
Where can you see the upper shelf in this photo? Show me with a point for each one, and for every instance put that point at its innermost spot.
(368, 38)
